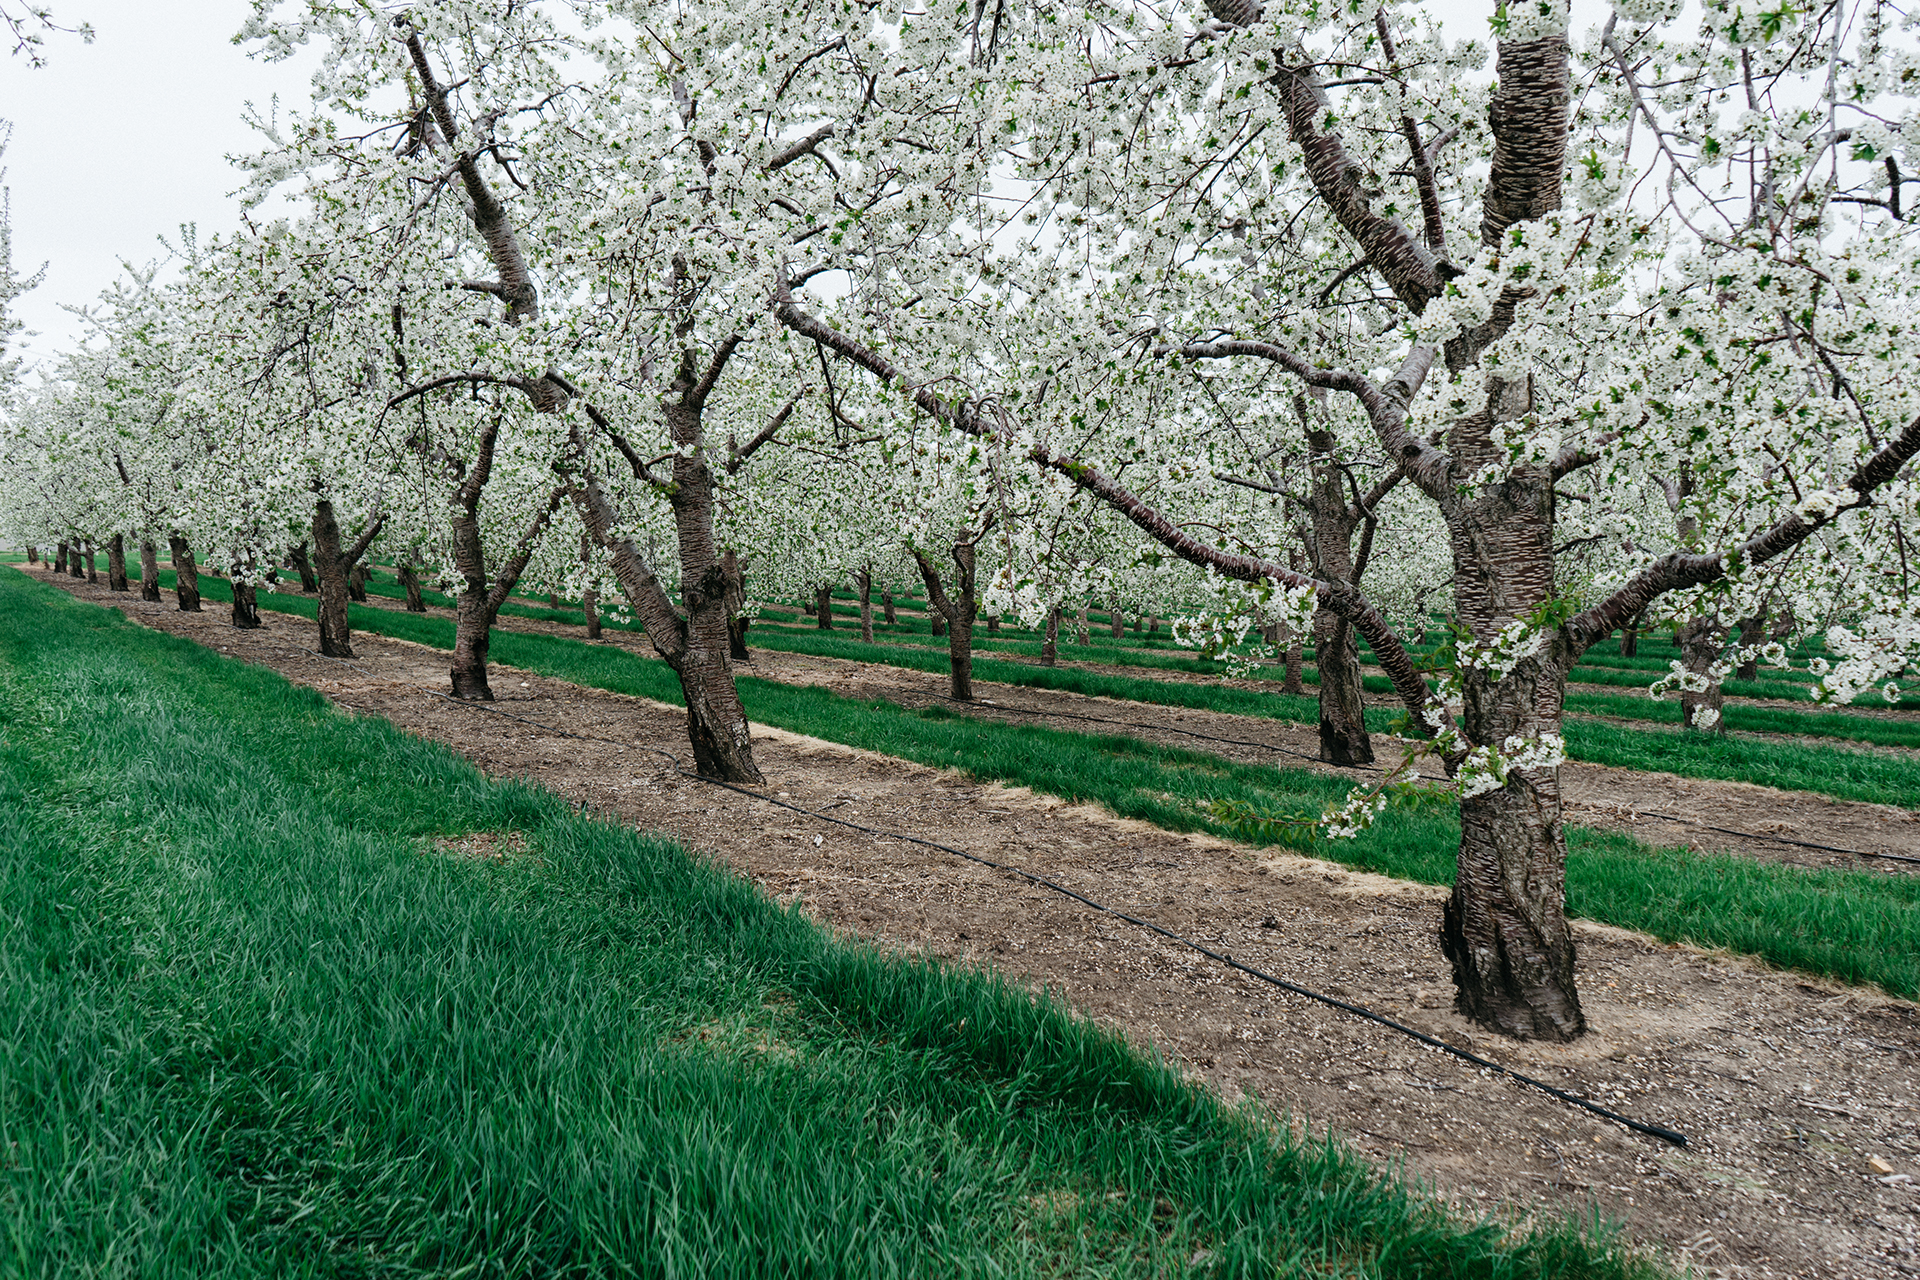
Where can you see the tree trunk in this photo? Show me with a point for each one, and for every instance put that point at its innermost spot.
(1050, 642)
(186, 580)
(336, 635)
(993, 622)
(304, 567)
(886, 606)
(737, 621)
(696, 646)
(590, 598)
(959, 609)
(1082, 634)
(149, 571)
(60, 558)
(1136, 624)
(865, 579)
(937, 623)
(474, 610)
(357, 584)
(117, 564)
(246, 610)
(33, 555)
(1343, 727)
(1753, 632)
(1153, 624)
(93, 566)
(410, 580)
(1505, 926)
(1296, 662)
(1336, 653)
(1629, 641)
(1701, 641)
(1113, 617)
(823, 607)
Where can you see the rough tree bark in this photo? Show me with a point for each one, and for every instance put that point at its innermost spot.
(480, 598)
(823, 607)
(865, 580)
(186, 579)
(958, 610)
(33, 555)
(357, 584)
(1050, 641)
(149, 571)
(60, 558)
(1113, 618)
(886, 606)
(117, 564)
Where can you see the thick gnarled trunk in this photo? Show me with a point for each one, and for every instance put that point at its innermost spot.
(186, 579)
(1505, 927)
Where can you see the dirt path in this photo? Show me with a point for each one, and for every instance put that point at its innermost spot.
(1595, 795)
(1788, 1089)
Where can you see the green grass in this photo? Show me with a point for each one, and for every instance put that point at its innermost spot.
(1858, 926)
(258, 1024)
(1845, 775)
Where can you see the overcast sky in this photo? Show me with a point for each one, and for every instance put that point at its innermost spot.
(119, 142)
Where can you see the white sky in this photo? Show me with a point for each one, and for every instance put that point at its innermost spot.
(119, 142)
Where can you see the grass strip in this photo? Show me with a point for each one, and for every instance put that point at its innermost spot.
(1845, 775)
(261, 1024)
(1858, 926)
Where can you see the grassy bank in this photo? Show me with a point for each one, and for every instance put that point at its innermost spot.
(1856, 926)
(266, 1019)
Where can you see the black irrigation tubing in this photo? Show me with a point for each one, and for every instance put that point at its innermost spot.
(1638, 1126)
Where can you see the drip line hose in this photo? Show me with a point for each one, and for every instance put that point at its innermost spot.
(1638, 1126)
(1362, 768)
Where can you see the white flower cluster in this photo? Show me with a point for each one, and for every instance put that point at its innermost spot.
(1486, 768)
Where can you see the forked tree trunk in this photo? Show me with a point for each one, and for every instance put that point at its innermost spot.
(696, 643)
(1050, 640)
(958, 609)
(865, 579)
(336, 634)
(1701, 641)
(186, 579)
(886, 606)
(149, 571)
(823, 607)
(737, 621)
(117, 564)
(303, 566)
(246, 611)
